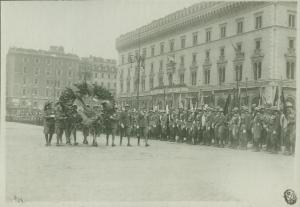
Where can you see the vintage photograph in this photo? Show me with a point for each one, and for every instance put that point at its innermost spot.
(162, 101)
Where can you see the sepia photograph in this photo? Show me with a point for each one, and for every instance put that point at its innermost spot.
(149, 103)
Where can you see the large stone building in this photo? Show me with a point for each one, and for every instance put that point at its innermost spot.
(35, 76)
(207, 50)
(100, 71)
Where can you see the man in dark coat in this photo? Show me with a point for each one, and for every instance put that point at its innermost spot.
(125, 124)
(49, 122)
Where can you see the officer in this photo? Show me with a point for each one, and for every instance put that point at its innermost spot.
(49, 122)
(172, 126)
(243, 129)
(113, 119)
(125, 124)
(77, 119)
(143, 126)
(235, 125)
(274, 128)
(257, 127)
(291, 130)
(59, 123)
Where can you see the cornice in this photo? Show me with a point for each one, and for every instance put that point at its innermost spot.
(196, 14)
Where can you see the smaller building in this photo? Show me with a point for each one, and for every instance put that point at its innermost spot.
(100, 71)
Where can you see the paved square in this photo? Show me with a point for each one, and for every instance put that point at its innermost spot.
(162, 172)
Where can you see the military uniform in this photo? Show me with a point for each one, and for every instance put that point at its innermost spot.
(59, 124)
(125, 124)
(49, 124)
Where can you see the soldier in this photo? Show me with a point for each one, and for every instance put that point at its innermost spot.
(59, 123)
(76, 122)
(243, 129)
(172, 126)
(235, 126)
(143, 126)
(257, 127)
(85, 123)
(199, 139)
(291, 130)
(95, 124)
(274, 128)
(220, 132)
(113, 119)
(125, 124)
(49, 122)
(69, 126)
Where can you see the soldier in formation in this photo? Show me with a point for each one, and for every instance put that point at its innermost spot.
(266, 128)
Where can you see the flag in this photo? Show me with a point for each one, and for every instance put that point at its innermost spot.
(283, 102)
(276, 97)
(260, 98)
(167, 109)
(226, 107)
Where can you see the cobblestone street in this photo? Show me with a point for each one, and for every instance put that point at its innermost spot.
(162, 172)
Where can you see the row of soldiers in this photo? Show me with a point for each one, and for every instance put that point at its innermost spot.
(265, 128)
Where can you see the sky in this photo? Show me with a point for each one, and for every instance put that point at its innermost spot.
(81, 27)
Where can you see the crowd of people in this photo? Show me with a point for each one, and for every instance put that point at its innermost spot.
(262, 128)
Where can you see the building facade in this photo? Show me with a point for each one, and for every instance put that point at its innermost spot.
(100, 71)
(36, 76)
(207, 50)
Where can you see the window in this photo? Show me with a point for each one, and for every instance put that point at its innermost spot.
(207, 54)
(208, 35)
(152, 51)
(182, 42)
(35, 92)
(151, 82)
(24, 92)
(37, 60)
(161, 80)
(47, 92)
(102, 75)
(194, 58)
(162, 47)
(290, 70)
(35, 81)
(182, 60)
(223, 31)
(58, 72)
(161, 63)
(170, 79)
(238, 72)
(181, 77)
(240, 27)
(123, 59)
(194, 78)
(171, 45)
(239, 47)
(221, 74)
(47, 71)
(144, 52)
(151, 67)
(258, 22)
(222, 52)
(70, 73)
(128, 86)
(129, 59)
(291, 43)
(292, 20)
(206, 76)
(257, 70)
(195, 39)
(108, 76)
(143, 84)
(257, 44)
(58, 83)
(121, 86)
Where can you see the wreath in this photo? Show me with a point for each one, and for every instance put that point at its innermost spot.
(86, 94)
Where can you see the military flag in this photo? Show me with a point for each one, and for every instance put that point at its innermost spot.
(227, 103)
(276, 97)
(283, 102)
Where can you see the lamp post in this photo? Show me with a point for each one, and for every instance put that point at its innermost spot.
(140, 62)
